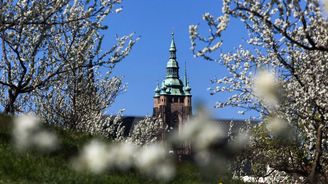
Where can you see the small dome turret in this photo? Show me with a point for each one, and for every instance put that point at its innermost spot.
(163, 89)
(187, 89)
(157, 91)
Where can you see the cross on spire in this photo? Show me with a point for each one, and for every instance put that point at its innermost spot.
(172, 47)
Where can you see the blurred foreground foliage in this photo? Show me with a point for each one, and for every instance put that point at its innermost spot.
(35, 167)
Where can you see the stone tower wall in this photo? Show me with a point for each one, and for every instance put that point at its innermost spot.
(174, 110)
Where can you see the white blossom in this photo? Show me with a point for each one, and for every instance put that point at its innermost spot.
(200, 132)
(118, 10)
(94, 157)
(277, 126)
(28, 134)
(122, 155)
(265, 87)
(153, 160)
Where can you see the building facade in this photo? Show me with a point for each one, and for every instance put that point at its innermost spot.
(172, 99)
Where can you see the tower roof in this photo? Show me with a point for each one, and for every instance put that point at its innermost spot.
(172, 85)
(172, 63)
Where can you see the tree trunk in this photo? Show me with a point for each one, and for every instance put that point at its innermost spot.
(316, 168)
(10, 106)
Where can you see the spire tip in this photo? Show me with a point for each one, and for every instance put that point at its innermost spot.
(172, 47)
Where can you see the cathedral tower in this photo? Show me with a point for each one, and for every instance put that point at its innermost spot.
(172, 99)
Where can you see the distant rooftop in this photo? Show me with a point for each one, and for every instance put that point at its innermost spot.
(130, 121)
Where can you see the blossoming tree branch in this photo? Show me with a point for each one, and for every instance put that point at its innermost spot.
(43, 42)
(287, 39)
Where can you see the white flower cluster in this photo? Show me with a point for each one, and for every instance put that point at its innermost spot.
(278, 127)
(28, 134)
(200, 132)
(147, 131)
(58, 52)
(118, 10)
(290, 39)
(144, 151)
(94, 157)
(265, 87)
(152, 160)
(148, 153)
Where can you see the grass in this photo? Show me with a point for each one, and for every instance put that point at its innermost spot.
(34, 167)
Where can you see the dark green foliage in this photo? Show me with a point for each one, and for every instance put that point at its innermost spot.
(34, 167)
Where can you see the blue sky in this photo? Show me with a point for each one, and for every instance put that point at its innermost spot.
(153, 21)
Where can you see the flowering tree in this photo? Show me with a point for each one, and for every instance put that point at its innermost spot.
(289, 39)
(147, 131)
(41, 41)
(80, 99)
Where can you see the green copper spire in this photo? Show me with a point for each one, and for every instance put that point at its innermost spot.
(172, 67)
(186, 88)
(172, 85)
